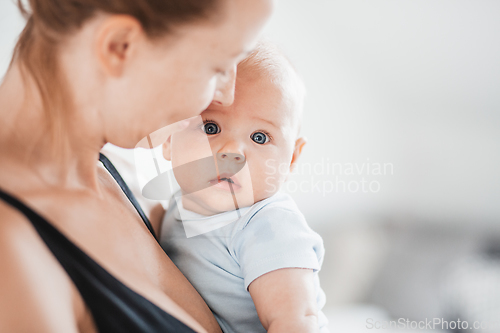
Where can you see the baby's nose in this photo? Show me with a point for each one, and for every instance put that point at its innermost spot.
(231, 157)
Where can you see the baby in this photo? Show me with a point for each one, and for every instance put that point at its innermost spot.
(243, 245)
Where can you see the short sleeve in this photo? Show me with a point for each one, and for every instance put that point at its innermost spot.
(276, 238)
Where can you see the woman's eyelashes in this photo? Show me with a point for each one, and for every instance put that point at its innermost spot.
(210, 127)
(220, 72)
(223, 71)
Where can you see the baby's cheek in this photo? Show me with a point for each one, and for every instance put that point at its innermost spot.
(266, 178)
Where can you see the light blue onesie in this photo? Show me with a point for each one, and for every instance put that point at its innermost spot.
(222, 262)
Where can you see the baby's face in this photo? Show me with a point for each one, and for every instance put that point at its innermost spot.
(253, 141)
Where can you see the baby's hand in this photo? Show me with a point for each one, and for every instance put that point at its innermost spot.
(155, 217)
(285, 300)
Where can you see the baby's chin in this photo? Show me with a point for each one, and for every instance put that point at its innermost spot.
(212, 201)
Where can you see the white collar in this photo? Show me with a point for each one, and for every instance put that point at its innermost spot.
(196, 224)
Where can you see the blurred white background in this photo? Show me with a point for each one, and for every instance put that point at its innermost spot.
(414, 84)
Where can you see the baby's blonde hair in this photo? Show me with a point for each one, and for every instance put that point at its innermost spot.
(268, 61)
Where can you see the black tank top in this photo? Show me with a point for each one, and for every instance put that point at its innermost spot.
(114, 306)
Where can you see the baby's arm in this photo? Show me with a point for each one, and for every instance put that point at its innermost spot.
(285, 300)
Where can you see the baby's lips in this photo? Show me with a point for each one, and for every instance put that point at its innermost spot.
(230, 175)
(227, 175)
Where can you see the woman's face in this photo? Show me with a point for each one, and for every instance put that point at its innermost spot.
(178, 78)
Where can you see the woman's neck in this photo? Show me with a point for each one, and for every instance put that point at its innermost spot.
(28, 150)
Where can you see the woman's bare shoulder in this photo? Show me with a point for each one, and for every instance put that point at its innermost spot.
(36, 293)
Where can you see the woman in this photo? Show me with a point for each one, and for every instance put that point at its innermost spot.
(75, 254)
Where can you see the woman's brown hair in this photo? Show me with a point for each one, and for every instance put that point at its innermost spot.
(50, 21)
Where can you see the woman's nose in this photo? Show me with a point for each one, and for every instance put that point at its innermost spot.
(224, 92)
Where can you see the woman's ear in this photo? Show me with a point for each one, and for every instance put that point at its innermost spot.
(167, 149)
(117, 39)
(299, 144)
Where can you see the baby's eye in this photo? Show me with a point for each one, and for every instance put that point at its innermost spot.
(211, 128)
(260, 138)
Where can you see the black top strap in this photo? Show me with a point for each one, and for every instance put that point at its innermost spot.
(116, 175)
(115, 308)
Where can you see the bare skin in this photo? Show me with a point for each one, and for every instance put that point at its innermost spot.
(123, 87)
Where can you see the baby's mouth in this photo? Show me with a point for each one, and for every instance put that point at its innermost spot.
(226, 181)
(229, 180)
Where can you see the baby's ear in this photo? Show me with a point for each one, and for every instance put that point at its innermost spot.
(167, 149)
(299, 144)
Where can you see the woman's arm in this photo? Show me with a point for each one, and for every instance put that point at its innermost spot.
(285, 301)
